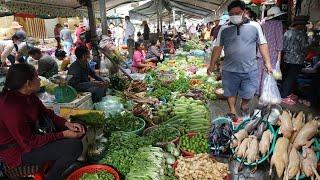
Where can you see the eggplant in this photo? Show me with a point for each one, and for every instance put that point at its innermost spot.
(252, 125)
(261, 128)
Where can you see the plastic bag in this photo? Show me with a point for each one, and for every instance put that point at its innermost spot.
(270, 92)
(111, 105)
(277, 72)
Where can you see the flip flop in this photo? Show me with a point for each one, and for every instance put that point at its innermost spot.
(288, 101)
(233, 118)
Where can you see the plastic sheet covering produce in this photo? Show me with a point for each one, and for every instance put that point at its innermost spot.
(110, 105)
(197, 53)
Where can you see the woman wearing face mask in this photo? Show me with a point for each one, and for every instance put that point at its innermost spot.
(82, 73)
(21, 110)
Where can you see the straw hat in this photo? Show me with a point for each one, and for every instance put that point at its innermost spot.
(15, 25)
(274, 12)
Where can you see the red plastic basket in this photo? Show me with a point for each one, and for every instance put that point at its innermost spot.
(76, 175)
(185, 153)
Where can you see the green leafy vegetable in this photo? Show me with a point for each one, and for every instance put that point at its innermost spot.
(100, 175)
(91, 118)
(126, 122)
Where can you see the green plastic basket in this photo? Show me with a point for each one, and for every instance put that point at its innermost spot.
(261, 160)
(140, 130)
(316, 144)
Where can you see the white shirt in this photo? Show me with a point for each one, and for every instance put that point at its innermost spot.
(6, 48)
(129, 30)
(192, 29)
(119, 32)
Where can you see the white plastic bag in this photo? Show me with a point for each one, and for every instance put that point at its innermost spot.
(277, 72)
(270, 92)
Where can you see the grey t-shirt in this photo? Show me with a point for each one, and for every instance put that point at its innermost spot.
(240, 47)
(47, 66)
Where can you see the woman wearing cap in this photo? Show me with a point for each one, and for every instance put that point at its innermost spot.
(273, 31)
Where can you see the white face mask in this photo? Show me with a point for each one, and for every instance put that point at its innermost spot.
(237, 19)
(18, 42)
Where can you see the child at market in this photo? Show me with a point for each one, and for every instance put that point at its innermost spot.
(62, 56)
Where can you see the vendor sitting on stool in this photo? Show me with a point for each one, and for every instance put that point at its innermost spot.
(82, 73)
(21, 143)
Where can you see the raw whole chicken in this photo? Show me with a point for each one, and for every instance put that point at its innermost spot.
(264, 144)
(309, 163)
(239, 136)
(286, 127)
(280, 158)
(294, 163)
(241, 150)
(252, 153)
(306, 133)
(298, 123)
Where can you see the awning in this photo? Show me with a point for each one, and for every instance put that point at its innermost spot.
(48, 8)
(190, 8)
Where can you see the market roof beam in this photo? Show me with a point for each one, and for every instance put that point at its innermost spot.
(184, 8)
(204, 5)
(195, 7)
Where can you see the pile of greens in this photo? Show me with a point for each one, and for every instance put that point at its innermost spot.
(180, 85)
(148, 163)
(121, 150)
(125, 122)
(118, 83)
(162, 134)
(90, 119)
(161, 93)
(100, 175)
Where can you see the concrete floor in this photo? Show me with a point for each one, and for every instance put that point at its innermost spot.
(220, 108)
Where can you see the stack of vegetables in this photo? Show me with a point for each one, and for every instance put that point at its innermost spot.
(191, 114)
(148, 163)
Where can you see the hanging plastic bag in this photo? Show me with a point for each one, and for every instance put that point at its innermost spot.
(270, 92)
(277, 72)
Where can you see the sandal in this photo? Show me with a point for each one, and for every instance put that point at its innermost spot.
(233, 117)
(288, 101)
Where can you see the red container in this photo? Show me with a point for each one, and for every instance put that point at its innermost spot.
(76, 175)
(185, 153)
